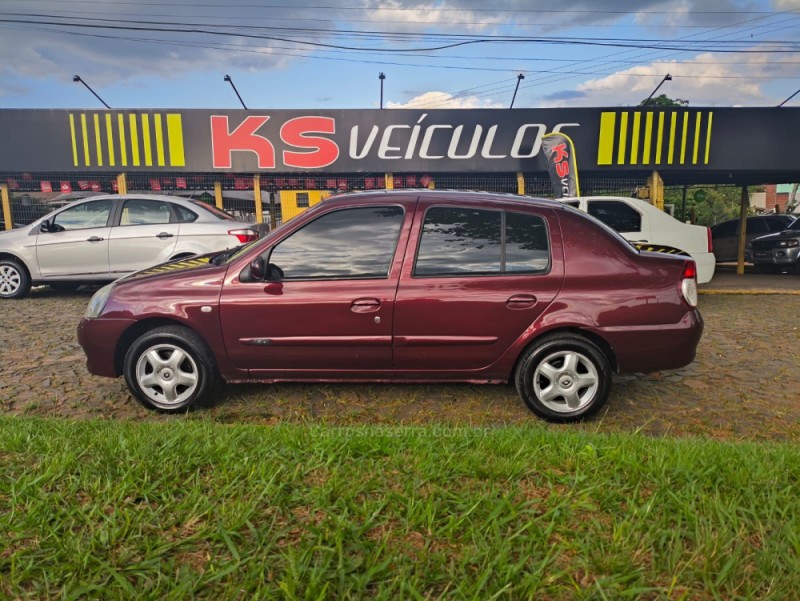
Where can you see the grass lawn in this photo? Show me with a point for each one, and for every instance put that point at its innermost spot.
(111, 510)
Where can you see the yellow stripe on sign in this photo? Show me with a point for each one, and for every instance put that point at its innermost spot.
(98, 145)
(175, 140)
(110, 140)
(683, 137)
(86, 160)
(697, 118)
(159, 140)
(74, 141)
(623, 138)
(648, 135)
(148, 151)
(659, 138)
(637, 120)
(605, 143)
(708, 135)
(123, 145)
(671, 151)
(134, 140)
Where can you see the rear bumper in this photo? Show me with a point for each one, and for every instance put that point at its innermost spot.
(706, 264)
(99, 339)
(652, 348)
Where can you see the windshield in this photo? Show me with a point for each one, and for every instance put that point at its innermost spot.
(611, 231)
(218, 213)
(794, 225)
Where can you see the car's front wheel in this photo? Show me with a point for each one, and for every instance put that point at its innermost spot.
(170, 369)
(564, 378)
(14, 279)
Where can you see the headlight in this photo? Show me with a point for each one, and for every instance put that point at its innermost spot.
(98, 301)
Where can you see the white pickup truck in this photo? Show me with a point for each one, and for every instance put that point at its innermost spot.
(651, 229)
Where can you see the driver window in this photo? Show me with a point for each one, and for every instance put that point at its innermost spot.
(83, 216)
(346, 244)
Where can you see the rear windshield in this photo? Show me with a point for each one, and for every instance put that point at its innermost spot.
(218, 213)
(612, 232)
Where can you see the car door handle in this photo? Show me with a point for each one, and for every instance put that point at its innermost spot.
(365, 305)
(95, 239)
(164, 235)
(521, 301)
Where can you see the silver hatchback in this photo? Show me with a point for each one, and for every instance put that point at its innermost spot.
(105, 237)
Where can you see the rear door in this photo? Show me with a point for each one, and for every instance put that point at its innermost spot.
(77, 243)
(332, 309)
(478, 279)
(145, 236)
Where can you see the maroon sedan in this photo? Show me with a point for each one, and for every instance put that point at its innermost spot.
(411, 286)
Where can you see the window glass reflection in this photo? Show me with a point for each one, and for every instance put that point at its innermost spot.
(526, 243)
(456, 240)
(83, 216)
(351, 243)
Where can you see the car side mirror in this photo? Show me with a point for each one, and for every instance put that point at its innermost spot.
(274, 273)
(258, 269)
(44, 226)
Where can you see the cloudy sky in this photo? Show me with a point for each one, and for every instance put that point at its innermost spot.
(439, 54)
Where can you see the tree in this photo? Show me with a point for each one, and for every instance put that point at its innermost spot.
(664, 100)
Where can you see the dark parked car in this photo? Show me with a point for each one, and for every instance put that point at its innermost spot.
(725, 235)
(405, 286)
(777, 252)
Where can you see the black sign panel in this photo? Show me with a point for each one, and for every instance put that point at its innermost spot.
(682, 142)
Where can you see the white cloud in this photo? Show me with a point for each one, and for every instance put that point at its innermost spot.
(432, 100)
(714, 79)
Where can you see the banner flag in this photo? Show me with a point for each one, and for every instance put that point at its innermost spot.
(562, 165)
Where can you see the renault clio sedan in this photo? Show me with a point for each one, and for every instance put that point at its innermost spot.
(104, 237)
(405, 286)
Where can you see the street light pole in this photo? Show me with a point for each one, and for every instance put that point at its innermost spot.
(230, 81)
(520, 77)
(381, 76)
(789, 98)
(77, 78)
(667, 77)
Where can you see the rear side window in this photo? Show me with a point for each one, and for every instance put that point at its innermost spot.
(617, 215)
(757, 226)
(457, 241)
(144, 212)
(346, 244)
(725, 229)
(184, 215)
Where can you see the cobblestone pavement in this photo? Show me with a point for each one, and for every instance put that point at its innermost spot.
(745, 383)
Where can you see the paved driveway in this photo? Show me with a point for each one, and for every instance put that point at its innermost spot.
(745, 382)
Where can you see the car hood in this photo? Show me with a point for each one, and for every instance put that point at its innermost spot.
(784, 235)
(166, 270)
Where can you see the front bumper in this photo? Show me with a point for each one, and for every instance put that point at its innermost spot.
(99, 339)
(776, 256)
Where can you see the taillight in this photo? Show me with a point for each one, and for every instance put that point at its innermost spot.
(710, 240)
(689, 283)
(244, 236)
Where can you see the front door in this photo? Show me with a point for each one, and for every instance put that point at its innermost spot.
(479, 280)
(331, 308)
(77, 243)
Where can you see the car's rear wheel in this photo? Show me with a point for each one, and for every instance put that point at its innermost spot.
(14, 279)
(564, 378)
(170, 369)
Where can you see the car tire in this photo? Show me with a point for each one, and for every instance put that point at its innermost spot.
(170, 369)
(564, 378)
(14, 279)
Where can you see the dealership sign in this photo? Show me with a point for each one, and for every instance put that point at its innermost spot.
(606, 141)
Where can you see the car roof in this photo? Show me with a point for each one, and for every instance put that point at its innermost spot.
(462, 196)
